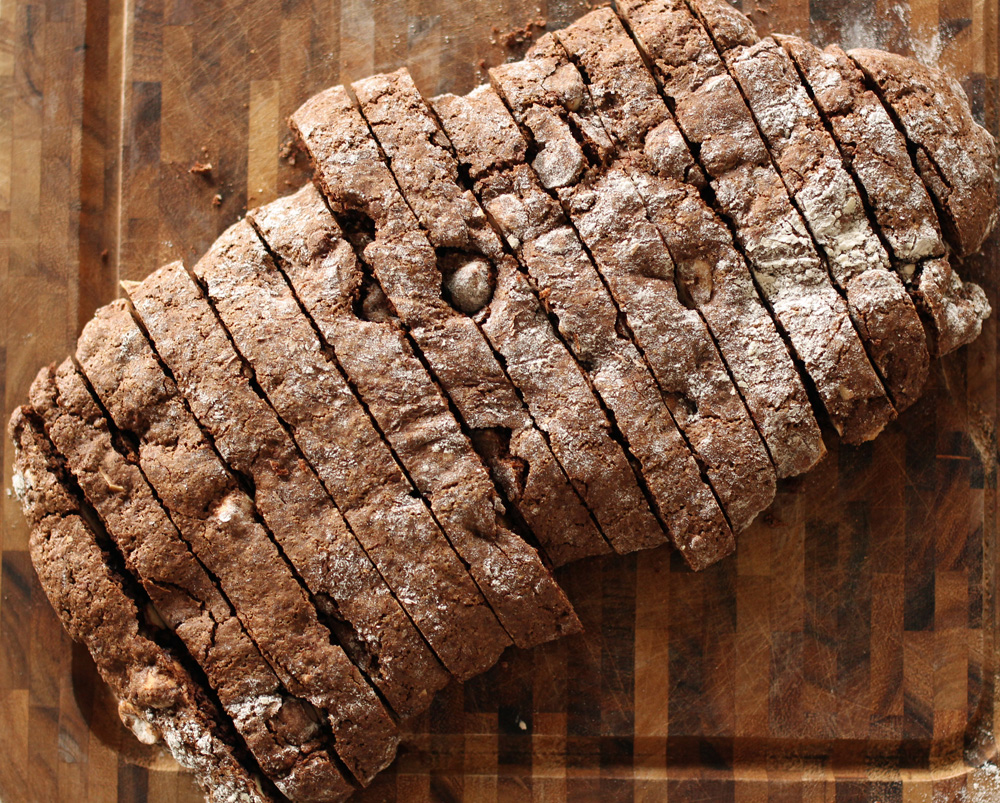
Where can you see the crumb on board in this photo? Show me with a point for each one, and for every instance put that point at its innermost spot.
(288, 151)
(518, 36)
(201, 169)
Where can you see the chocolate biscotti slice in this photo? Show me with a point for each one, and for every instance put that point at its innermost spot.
(633, 260)
(413, 416)
(810, 165)
(220, 523)
(712, 276)
(299, 762)
(158, 700)
(491, 152)
(875, 151)
(309, 395)
(354, 599)
(511, 316)
(955, 157)
(352, 174)
(749, 194)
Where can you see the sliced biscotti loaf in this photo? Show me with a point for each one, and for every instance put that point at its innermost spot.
(307, 394)
(158, 700)
(512, 318)
(491, 149)
(300, 763)
(413, 416)
(810, 165)
(875, 151)
(636, 266)
(750, 195)
(354, 177)
(956, 158)
(220, 523)
(711, 274)
(354, 599)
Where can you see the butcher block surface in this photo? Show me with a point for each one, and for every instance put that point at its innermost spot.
(846, 653)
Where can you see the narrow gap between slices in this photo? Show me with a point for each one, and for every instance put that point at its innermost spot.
(202, 602)
(131, 454)
(683, 295)
(708, 194)
(464, 182)
(615, 155)
(621, 321)
(251, 376)
(330, 355)
(247, 485)
(614, 430)
(328, 736)
(944, 220)
(341, 630)
(535, 608)
(148, 618)
(486, 310)
(440, 568)
(482, 441)
(841, 291)
(350, 222)
(501, 361)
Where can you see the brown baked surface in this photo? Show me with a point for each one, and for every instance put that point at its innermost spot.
(331, 537)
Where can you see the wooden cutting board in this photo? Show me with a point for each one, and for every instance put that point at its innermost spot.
(848, 652)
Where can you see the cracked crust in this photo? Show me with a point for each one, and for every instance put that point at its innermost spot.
(277, 727)
(359, 608)
(220, 523)
(158, 700)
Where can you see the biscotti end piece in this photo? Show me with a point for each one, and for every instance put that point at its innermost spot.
(956, 157)
(158, 699)
(957, 309)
